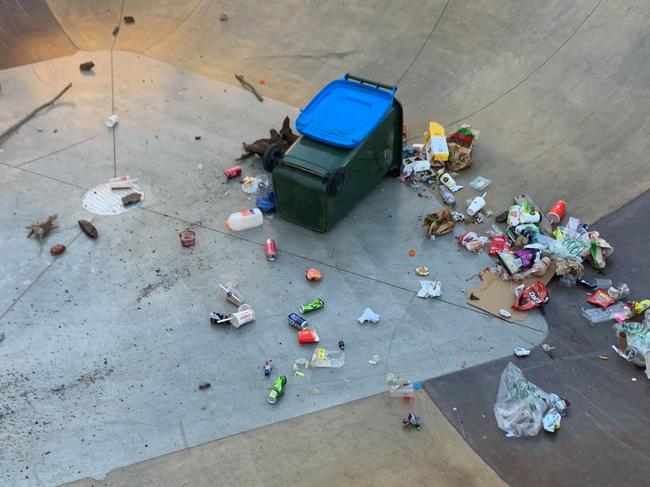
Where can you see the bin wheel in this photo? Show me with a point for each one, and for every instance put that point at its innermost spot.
(336, 182)
(272, 157)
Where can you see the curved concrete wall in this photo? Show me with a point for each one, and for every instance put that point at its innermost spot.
(559, 89)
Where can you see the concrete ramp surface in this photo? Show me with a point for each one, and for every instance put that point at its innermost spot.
(100, 364)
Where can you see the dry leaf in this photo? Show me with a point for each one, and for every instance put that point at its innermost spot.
(88, 228)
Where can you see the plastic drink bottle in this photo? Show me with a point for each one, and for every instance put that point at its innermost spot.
(245, 219)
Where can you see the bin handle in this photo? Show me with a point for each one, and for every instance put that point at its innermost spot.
(377, 84)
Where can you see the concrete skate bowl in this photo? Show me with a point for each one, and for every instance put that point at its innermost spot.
(558, 89)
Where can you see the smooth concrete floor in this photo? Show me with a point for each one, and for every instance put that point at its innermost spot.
(362, 443)
(106, 345)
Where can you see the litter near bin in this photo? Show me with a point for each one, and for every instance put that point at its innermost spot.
(233, 296)
(522, 352)
(313, 274)
(188, 238)
(245, 219)
(446, 179)
(327, 358)
(277, 391)
(479, 183)
(413, 421)
(266, 203)
(312, 305)
(297, 321)
(308, 335)
(472, 242)
(368, 315)
(422, 271)
(253, 184)
(268, 367)
(439, 223)
(429, 289)
(270, 250)
(232, 172)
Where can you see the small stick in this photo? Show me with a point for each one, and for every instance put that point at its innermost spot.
(17, 125)
(249, 86)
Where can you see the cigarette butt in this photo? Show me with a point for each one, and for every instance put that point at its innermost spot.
(603, 357)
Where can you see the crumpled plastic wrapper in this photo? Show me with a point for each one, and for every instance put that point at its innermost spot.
(567, 266)
(369, 315)
(538, 269)
(472, 242)
(599, 250)
(439, 223)
(619, 292)
(429, 289)
(551, 420)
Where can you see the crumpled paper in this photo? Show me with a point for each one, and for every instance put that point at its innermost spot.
(567, 266)
(369, 315)
(598, 251)
(439, 223)
(429, 289)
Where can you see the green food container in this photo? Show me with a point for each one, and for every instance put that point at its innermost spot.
(359, 127)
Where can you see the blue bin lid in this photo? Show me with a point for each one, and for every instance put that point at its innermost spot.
(344, 113)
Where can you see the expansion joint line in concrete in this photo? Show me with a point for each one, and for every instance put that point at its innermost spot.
(331, 266)
(525, 78)
(119, 24)
(41, 274)
(426, 41)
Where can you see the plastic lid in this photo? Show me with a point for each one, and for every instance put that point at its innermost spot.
(344, 113)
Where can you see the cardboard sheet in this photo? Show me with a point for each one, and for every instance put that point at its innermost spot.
(494, 293)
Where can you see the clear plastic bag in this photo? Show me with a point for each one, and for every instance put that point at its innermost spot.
(327, 358)
(520, 404)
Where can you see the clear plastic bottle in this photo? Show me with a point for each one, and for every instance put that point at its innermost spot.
(447, 196)
(245, 219)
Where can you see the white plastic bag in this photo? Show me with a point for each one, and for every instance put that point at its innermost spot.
(429, 289)
(520, 404)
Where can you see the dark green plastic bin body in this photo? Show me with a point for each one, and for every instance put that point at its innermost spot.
(300, 179)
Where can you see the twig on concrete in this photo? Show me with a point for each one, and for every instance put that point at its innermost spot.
(17, 125)
(248, 86)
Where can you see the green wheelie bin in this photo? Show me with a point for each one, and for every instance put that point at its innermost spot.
(351, 137)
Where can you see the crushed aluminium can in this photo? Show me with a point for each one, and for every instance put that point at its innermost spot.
(297, 321)
(277, 391)
(312, 305)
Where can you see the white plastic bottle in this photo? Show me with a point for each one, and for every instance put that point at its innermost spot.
(242, 220)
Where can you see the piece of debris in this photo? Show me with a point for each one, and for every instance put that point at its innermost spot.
(197, 137)
(313, 305)
(439, 223)
(277, 391)
(122, 182)
(422, 271)
(223, 17)
(327, 358)
(411, 253)
(2, 336)
(368, 315)
(88, 228)
(87, 66)
(429, 289)
(42, 229)
(503, 312)
(341, 344)
(57, 249)
(248, 86)
(412, 420)
(204, 385)
(27, 117)
(284, 138)
(116, 30)
(313, 274)
(111, 121)
(521, 352)
(268, 367)
(374, 360)
(131, 198)
(129, 20)
(188, 238)
(603, 357)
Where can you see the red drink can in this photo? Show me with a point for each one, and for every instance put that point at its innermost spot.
(232, 172)
(270, 250)
(556, 213)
